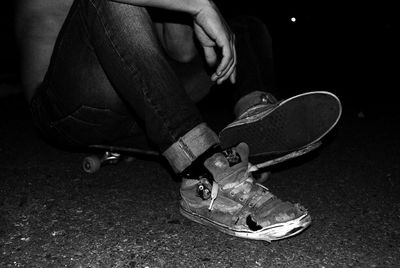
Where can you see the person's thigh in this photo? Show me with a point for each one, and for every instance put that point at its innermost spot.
(76, 104)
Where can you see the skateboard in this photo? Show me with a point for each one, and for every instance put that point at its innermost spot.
(109, 154)
(285, 157)
(290, 129)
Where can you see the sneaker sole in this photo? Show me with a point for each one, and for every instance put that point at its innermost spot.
(271, 233)
(293, 125)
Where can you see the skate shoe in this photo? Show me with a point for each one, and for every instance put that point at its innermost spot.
(228, 200)
(278, 131)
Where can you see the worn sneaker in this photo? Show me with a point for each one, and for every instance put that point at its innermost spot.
(228, 199)
(278, 131)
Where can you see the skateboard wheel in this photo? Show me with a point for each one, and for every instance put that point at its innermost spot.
(262, 176)
(91, 164)
(129, 159)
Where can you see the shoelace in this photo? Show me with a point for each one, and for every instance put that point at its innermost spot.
(215, 187)
(214, 194)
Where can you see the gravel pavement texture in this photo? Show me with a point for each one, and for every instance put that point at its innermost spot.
(52, 214)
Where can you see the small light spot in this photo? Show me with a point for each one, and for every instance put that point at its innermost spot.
(293, 19)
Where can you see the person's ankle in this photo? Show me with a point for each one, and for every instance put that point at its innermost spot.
(197, 170)
(190, 146)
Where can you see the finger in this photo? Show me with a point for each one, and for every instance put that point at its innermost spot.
(210, 55)
(221, 74)
(226, 59)
(227, 75)
(231, 68)
(233, 75)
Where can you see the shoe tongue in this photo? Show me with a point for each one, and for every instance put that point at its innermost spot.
(229, 166)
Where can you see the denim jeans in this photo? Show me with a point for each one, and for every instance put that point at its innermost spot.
(110, 81)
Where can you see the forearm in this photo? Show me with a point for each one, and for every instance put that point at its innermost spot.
(188, 6)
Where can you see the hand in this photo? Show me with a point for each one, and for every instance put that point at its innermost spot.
(214, 34)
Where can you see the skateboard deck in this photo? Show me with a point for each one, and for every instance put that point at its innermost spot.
(113, 154)
(293, 127)
(122, 149)
(285, 157)
(109, 154)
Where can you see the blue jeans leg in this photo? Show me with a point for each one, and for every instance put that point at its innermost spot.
(108, 76)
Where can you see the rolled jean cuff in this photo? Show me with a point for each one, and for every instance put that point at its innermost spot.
(194, 143)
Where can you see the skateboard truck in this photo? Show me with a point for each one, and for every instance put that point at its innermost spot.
(92, 163)
(111, 155)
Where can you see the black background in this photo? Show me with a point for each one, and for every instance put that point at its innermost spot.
(350, 50)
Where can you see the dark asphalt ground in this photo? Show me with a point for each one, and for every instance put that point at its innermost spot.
(52, 214)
